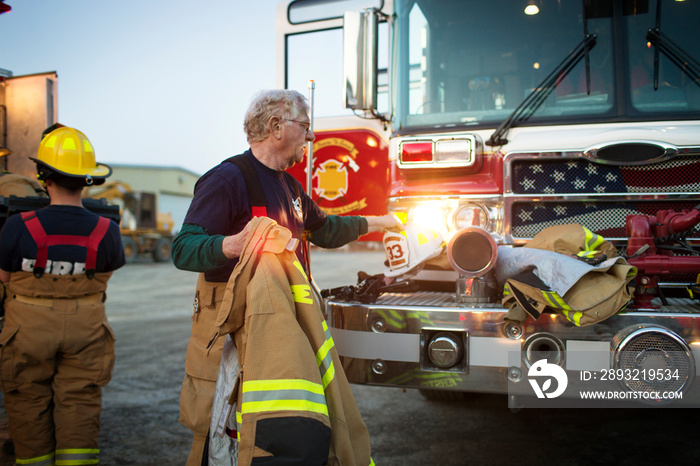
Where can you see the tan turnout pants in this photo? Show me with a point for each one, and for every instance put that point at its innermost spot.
(201, 369)
(56, 355)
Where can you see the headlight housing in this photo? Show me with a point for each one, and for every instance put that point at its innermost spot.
(449, 215)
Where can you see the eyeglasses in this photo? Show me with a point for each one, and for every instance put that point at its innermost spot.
(305, 125)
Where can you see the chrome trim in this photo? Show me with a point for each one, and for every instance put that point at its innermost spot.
(473, 157)
(591, 152)
(491, 353)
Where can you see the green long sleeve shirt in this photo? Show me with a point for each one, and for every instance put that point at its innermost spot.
(196, 250)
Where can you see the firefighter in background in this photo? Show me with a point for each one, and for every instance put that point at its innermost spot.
(57, 346)
(212, 237)
(14, 184)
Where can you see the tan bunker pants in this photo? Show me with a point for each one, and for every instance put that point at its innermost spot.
(201, 366)
(56, 355)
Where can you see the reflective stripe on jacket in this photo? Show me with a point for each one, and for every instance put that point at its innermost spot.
(292, 398)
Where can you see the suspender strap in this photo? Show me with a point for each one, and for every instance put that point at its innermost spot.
(258, 201)
(43, 241)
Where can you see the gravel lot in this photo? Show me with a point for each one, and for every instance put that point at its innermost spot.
(149, 306)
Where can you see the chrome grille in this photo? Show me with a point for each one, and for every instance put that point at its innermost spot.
(544, 190)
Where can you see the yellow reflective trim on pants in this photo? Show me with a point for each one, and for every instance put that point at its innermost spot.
(44, 460)
(284, 405)
(77, 456)
(301, 294)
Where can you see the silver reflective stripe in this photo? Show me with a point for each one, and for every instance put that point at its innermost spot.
(77, 456)
(268, 395)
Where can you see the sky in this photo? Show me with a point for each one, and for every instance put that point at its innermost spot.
(150, 82)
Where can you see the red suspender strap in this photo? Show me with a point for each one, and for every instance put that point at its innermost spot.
(39, 236)
(43, 241)
(259, 211)
(94, 240)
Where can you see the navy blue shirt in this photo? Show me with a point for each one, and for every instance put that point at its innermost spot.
(221, 205)
(18, 249)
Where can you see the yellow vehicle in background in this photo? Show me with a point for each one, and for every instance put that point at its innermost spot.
(144, 229)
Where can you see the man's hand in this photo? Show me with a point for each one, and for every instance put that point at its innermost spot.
(384, 222)
(233, 245)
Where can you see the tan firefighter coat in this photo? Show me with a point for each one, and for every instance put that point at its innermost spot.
(292, 397)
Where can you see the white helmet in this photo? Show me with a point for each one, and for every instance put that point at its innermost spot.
(409, 248)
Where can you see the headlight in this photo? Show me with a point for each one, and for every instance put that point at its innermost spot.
(428, 216)
(451, 215)
(471, 215)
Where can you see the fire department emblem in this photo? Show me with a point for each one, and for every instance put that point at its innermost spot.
(332, 180)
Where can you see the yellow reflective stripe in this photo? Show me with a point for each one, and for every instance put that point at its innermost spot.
(592, 240)
(554, 300)
(37, 460)
(77, 456)
(284, 405)
(298, 265)
(328, 376)
(301, 294)
(422, 239)
(576, 319)
(506, 290)
(283, 395)
(324, 357)
(371, 461)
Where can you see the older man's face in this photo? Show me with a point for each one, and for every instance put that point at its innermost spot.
(296, 133)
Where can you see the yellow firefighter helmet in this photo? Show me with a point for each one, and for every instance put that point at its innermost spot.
(68, 152)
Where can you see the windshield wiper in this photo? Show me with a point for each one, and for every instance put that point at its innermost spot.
(540, 93)
(679, 57)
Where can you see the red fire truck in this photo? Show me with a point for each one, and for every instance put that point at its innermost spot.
(510, 117)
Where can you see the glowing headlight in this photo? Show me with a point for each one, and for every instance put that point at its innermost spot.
(429, 216)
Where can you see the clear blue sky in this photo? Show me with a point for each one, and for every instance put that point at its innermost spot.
(155, 82)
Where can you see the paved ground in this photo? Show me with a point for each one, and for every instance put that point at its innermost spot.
(149, 306)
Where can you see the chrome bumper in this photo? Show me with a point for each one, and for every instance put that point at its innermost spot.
(385, 343)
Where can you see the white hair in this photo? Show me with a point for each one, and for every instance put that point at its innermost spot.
(283, 103)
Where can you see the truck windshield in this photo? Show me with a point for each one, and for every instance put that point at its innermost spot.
(473, 62)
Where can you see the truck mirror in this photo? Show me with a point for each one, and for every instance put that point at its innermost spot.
(360, 29)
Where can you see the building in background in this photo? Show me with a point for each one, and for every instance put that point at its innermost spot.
(173, 186)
